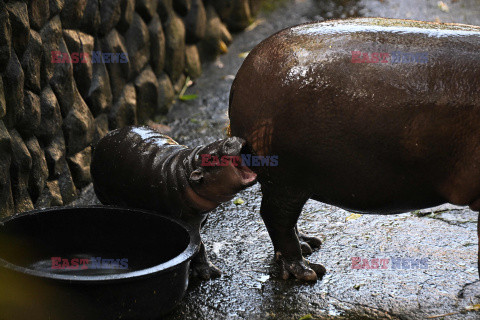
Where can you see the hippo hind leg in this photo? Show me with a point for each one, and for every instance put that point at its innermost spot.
(280, 210)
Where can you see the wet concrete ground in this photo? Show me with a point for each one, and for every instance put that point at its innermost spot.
(238, 242)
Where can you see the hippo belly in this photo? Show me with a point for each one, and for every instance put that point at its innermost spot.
(357, 132)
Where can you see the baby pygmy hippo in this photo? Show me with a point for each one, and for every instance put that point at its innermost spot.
(141, 168)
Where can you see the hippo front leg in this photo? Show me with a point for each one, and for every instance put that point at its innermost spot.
(202, 267)
(280, 211)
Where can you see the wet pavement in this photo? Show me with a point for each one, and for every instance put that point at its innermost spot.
(443, 239)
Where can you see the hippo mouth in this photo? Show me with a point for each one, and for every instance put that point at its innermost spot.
(247, 176)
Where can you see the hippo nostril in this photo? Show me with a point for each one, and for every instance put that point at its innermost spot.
(229, 146)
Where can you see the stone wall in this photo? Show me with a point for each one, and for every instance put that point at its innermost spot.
(52, 113)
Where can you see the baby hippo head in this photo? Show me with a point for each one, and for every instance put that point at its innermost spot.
(218, 171)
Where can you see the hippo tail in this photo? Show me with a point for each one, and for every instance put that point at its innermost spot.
(228, 130)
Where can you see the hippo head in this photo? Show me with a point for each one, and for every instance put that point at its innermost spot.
(218, 174)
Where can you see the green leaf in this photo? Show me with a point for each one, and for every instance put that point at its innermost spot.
(443, 6)
(238, 201)
(353, 216)
(306, 317)
(475, 307)
(188, 97)
(243, 55)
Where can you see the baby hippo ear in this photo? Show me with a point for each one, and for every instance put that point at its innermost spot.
(196, 175)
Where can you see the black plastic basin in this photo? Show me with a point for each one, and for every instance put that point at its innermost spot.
(150, 280)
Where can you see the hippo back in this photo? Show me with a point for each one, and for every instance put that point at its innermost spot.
(136, 167)
(299, 95)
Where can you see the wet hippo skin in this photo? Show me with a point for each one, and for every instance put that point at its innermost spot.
(368, 137)
(141, 168)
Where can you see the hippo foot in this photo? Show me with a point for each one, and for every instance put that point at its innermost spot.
(306, 248)
(205, 270)
(300, 269)
(313, 242)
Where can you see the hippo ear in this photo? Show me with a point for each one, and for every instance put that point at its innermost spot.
(196, 175)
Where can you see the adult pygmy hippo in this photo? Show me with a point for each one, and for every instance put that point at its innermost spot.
(141, 168)
(378, 137)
